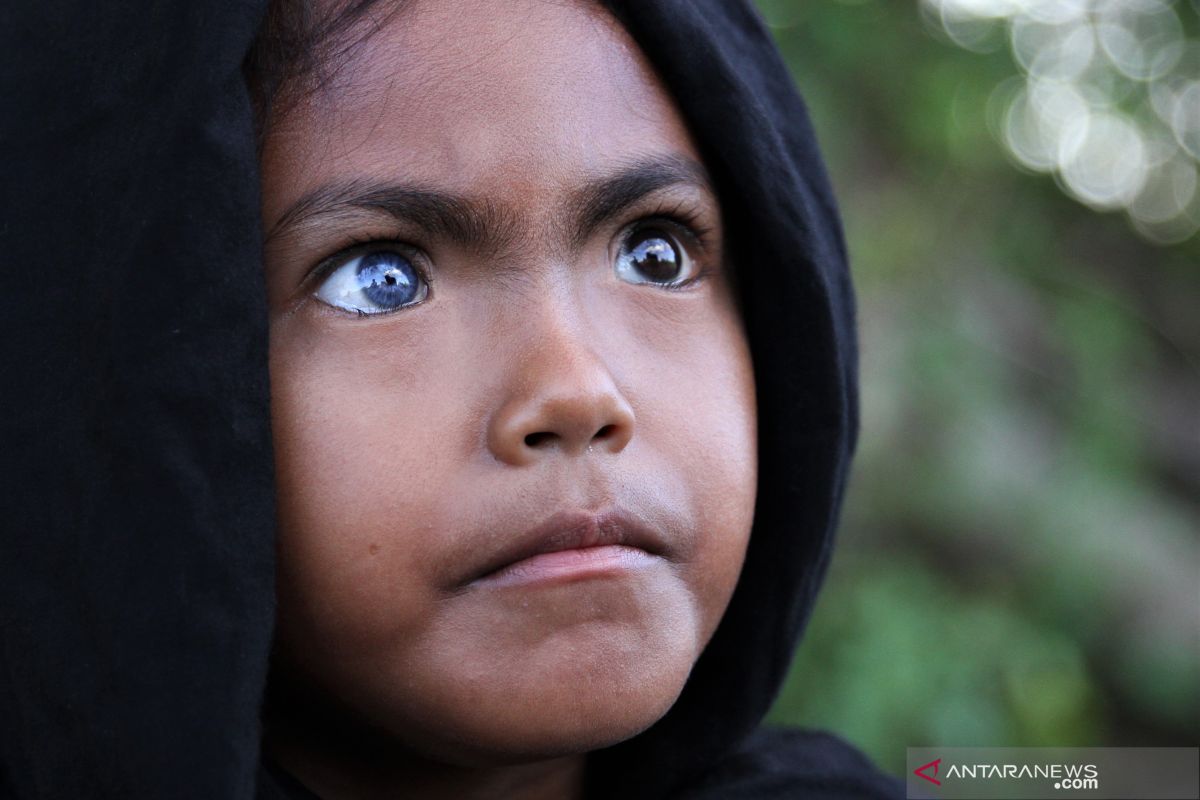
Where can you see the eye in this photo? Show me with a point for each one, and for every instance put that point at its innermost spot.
(652, 254)
(375, 282)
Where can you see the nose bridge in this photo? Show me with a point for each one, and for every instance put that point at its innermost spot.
(561, 395)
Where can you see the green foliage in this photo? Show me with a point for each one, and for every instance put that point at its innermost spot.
(1021, 545)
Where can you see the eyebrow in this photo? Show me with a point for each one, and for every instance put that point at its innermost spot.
(474, 220)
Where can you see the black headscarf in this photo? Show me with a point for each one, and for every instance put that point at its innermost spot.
(136, 563)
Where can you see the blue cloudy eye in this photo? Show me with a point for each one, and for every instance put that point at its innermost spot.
(653, 255)
(374, 283)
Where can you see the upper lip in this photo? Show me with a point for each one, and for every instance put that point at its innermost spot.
(572, 530)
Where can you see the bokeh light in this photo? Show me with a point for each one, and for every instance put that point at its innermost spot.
(1110, 103)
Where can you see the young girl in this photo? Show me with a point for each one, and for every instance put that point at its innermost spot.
(561, 368)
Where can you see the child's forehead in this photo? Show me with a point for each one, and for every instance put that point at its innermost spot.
(480, 97)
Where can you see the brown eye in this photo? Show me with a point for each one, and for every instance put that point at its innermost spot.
(653, 255)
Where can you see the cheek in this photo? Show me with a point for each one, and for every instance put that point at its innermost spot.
(691, 378)
(685, 367)
(359, 451)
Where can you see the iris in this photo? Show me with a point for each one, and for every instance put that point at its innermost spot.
(387, 279)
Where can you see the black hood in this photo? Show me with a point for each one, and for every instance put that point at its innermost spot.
(136, 588)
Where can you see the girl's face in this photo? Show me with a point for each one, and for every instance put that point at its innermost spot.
(501, 324)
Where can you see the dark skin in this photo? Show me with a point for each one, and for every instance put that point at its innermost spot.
(545, 327)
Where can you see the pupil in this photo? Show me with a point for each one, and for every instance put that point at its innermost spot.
(655, 256)
(387, 279)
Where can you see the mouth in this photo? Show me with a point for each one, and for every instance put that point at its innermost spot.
(572, 545)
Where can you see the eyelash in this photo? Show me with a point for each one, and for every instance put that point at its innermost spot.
(687, 216)
(684, 217)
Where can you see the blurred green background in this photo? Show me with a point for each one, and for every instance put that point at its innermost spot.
(1019, 559)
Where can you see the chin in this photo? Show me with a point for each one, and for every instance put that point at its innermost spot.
(590, 695)
(576, 729)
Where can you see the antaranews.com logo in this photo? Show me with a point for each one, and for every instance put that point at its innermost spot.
(1065, 776)
(984, 773)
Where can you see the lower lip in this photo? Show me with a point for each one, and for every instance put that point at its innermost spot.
(566, 566)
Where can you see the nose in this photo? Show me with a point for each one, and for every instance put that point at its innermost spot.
(563, 399)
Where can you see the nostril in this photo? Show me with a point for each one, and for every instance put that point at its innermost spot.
(540, 440)
(537, 439)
